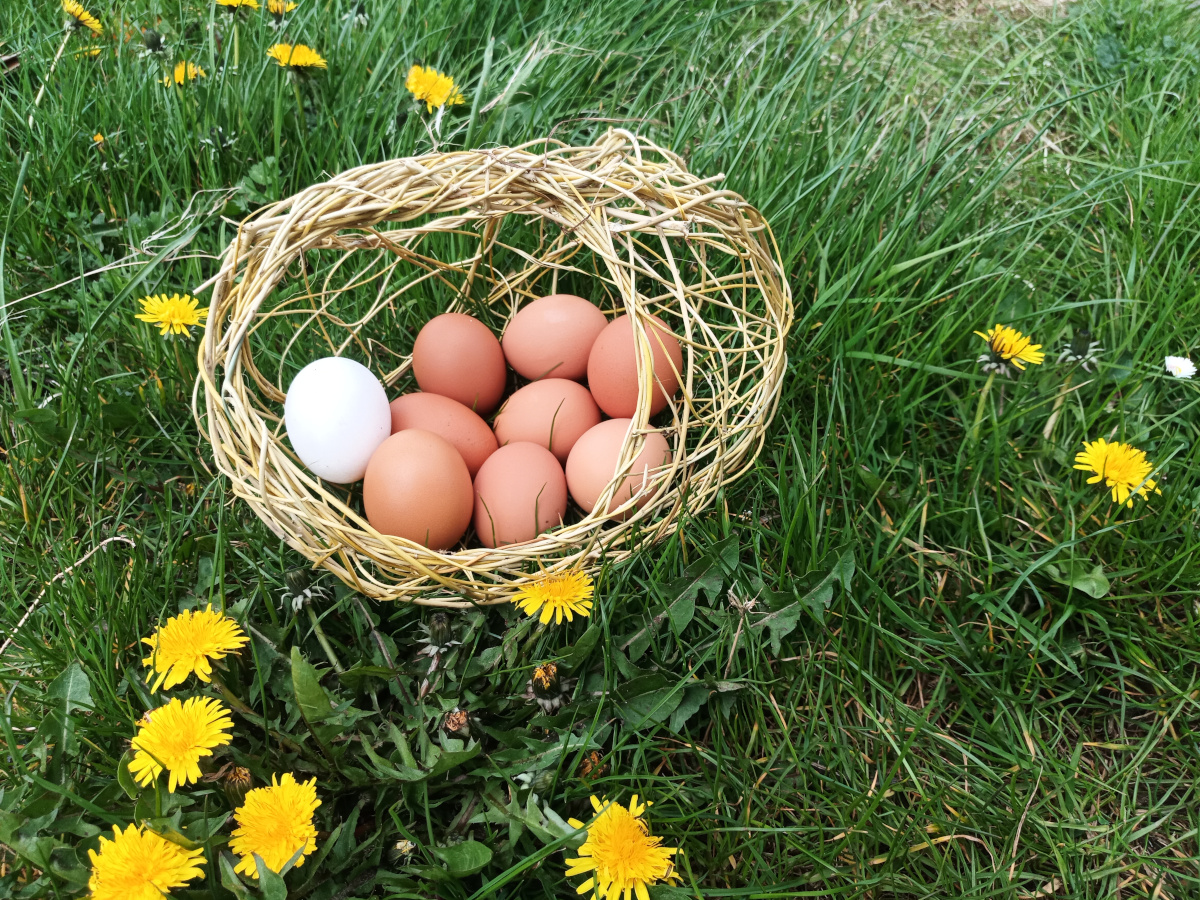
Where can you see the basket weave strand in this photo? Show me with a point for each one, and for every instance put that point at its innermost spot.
(326, 271)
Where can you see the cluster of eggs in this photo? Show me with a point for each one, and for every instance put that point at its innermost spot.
(430, 463)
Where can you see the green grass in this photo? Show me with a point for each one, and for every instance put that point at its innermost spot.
(947, 713)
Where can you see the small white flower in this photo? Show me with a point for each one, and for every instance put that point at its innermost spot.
(1180, 366)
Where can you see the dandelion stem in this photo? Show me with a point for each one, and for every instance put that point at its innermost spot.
(532, 639)
(179, 362)
(323, 641)
(387, 657)
(983, 394)
(300, 110)
(1057, 410)
(45, 81)
(278, 125)
(254, 718)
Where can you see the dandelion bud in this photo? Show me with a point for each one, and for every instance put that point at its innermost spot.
(297, 580)
(439, 629)
(542, 782)
(237, 782)
(1081, 343)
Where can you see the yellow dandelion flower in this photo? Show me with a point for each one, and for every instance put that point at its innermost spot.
(174, 737)
(297, 57)
(184, 72)
(91, 52)
(140, 865)
(275, 822)
(568, 594)
(81, 18)
(433, 87)
(172, 314)
(1121, 467)
(280, 7)
(188, 642)
(620, 853)
(235, 5)
(1007, 345)
(98, 139)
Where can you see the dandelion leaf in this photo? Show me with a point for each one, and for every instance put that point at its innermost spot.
(72, 688)
(648, 700)
(464, 859)
(270, 883)
(575, 656)
(694, 697)
(230, 880)
(314, 703)
(1079, 575)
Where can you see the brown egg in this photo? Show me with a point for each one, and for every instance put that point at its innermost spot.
(417, 487)
(552, 408)
(448, 419)
(612, 367)
(552, 337)
(458, 357)
(593, 464)
(519, 493)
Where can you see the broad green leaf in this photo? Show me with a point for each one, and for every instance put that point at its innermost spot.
(694, 697)
(466, 858)
(781, 623)
(702, 575)
(70, 691)
(44, 422)
(386, 769)
(125, 777)
(490, 657)
(313, 865)
(397, 737)
(681, 613)
(576, 655)
(649, 708)
(342, 851)
(452, 758)
(1077, 574)
(270, 883)
(176, 837)
(640, 642)
(356, 677)
(306, 683)
(230, 880)
(72, 688)
(817, 600)
(727, 550)
(843, 569)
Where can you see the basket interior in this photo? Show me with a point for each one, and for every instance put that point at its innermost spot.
(366, 293)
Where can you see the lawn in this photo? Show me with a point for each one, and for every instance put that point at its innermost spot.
(913, 653)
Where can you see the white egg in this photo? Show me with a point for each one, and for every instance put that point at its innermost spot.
(336, 414)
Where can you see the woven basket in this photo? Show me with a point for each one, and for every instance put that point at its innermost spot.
(341, 267)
